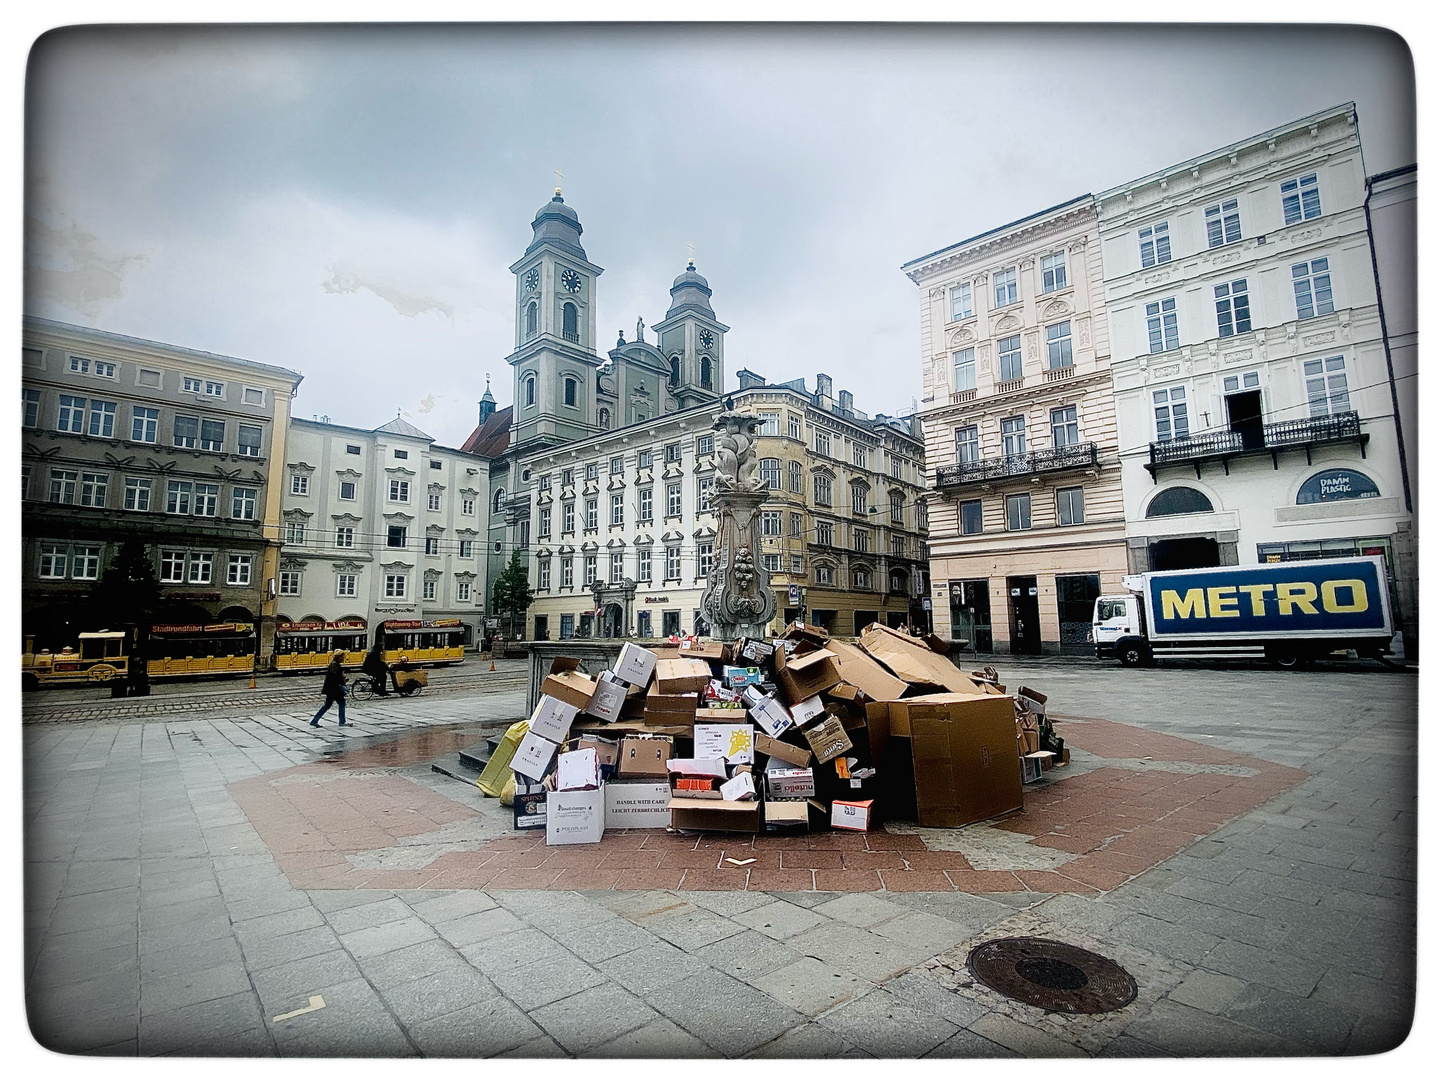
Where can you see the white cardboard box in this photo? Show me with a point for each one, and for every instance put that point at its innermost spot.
(574, 817)
(609, 698)
(532, 756)
(772, 717)
(636, 665)
(577, 770)
(806, 711)
(733, 742)
(637, 805)
(738, 787)
(784, 781)
(552, 718)
(848, 815)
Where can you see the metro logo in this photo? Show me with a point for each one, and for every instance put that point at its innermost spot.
(1338, 596)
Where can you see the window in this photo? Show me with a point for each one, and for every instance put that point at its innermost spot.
(71, 416)
(672, 563)
(897, 508)
(1325, 386)
(242, 503)
(672, 500)
(590, 570)
(396, 586)
(214, 389)
(212, 435)
(202, 567)
(858, 495)
(769, 424)
(530, 382)
(797, 525)
(92, 488)
(144, 425)
(797, 564)
(344, 536)
(645, 459)
(971, 518)
(797, 477)
(861, 538)
(705, 372)
(395, 536)
(253, 396)
(617, 567)
(1222, 223)
(822, 443)
(771, 563)
(705, 492)
(289, 582)
(294, 532)
(1012, 436)
(570, 388)
(299, 484)
(965, 370)
(347, 490)
(1005, 290)
(350, 448)
(137, 493)
(238, 570)
(62, 486)
(80, 365)
(462, 591)
(434, 464)
(861, 578)
(345, 584)
(427, 589)
(617, 509)
(570, 323)
(1178, 500)
(1300, 198)
(1155, 244)
(1052, 272)
(617, 466)
(401, 455)
(1171, 419)
(544, 573)
(400, 491)
(672, 453)
(960, 304)
(30, 408)
(1057, 345)
(532, 324)
(642, 567)
(824, 575)
(770, 472)
(1064, 427)
(967, 444)
(85, 565)
(177, 497)
(858, 455)
(825, 533)
(1070, 506)
(1232, 308)
(568, 511)
(567, 478)
(247, 440)
(54, 558)
(592, 513)
(172, 567)
(192, 386)
(434, 501)
(432, 545)
(647, 504)
(1162, 324)
(1312, 288)
(1017, 512)
(792, 427)
(102, 419)
(770, 523)
(543, 528)
(674, 371)
(467, 549)
(467, 505)
(187, 431)
(592, 471)
(897, 547)
(1011, 364)
(823, 488)
(567, 573)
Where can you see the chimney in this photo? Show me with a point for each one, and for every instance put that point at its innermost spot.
(847, 401)
(823, 388)
(749, 379)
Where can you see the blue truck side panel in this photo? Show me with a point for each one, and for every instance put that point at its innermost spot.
(1330, 598)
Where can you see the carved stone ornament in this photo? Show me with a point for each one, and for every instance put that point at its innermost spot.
(738, 600)
(737, 468)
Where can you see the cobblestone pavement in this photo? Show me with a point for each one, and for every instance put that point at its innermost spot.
(163, 914)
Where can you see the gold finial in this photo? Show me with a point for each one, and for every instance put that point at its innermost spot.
(559, 176)
(690, 251)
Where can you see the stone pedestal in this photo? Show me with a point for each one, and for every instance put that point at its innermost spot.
(738, 600)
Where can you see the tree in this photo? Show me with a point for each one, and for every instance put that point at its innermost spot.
(128, 595)
(511, 591)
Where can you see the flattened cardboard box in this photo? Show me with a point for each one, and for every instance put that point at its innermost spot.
(912, 661)
(861, 671)
(806, 634)
(716, 815)
(782, 751)
(965, 757)
(568, 684)
(802, 677)
(682, 676)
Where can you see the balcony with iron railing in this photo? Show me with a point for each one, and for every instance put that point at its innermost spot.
(987, 470)
(1270, 439)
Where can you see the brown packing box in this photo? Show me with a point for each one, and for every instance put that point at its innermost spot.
(665, 652)
(662, 710)
(681, 676)
(715, 815)
(1027, 728)
(607, 751)
(706, 650)
(801, 677)
(806, 635)
(965, 756)
(644, 756)
(721, 716)
(827, 739)
(860, 671)
(568, 684)
(786, 752)
(912, 661)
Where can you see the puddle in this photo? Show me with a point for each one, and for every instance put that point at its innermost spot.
(407, 748)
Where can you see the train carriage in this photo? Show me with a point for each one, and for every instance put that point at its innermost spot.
(101, 659)
(177, 650)
(422, 642)
(308, 646)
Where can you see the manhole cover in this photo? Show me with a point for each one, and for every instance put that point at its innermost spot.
(1051, 975)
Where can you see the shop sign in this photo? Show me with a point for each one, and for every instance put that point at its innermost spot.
(657, 599)
(1336, 485)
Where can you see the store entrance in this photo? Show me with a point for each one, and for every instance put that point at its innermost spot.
(1024, 615)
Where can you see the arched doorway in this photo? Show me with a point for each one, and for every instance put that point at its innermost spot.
(612, 621)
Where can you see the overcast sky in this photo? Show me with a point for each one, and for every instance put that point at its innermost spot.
(345, 202)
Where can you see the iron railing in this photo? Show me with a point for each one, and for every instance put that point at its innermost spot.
(1079, 456)
(1283, 433)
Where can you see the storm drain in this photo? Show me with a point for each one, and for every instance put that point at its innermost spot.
(1051, 975)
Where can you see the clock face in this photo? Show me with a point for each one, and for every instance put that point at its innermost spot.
(571, 280)
(706, 338)
(532, 279)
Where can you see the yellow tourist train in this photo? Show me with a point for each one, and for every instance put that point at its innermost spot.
(423, 642)
(178, 649)
(308, 646)
(101, 658)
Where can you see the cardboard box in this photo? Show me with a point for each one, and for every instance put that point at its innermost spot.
(771, 716)
(706, 650)
(827, 739)
(733, 742)
(719, 815)
(577, 770)
(609, 698)
(1030, 769)
(756, 651)
(1032, 700)
(641, 804)
(636, 665)
(784, 781)
(800, 633)
(568, 684)
(1027, 730)
(644, 756)
(696, 787)
(911, 661)
(803, 712)
(963, 749)
(662, 710)
(714, 715)
(787, 815)
(802, 677)
(574, 817)
(552, 718)
(851, 815)
(798, 756)
(682, 676)
(858, 669)
(738, 677)
(607, 753)
(529, 805)
(697, 767)
(738, 788)
(533, 756)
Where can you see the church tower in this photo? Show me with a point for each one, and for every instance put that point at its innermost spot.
(693, 341)
(555, 353)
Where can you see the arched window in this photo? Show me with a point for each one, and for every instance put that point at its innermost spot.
(898, 579)
(1336, 485)
(705, 372)
(499, 501)
(861, 578)
(770, 472)
(858, 494)
(1178, 500)
(797, 477)
(605, 418)
(570, 323)
(532, 319)
(570, 385)
(674, 371)
(530, 390)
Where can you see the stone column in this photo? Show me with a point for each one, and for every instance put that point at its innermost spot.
(738, 600)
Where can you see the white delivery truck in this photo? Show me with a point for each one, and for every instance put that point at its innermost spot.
(1290, 613)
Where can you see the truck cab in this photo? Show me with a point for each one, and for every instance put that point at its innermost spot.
(1118, 626)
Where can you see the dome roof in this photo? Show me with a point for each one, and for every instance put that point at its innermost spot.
(690, 292)
(557, 224)
(557, 206)
(690, 277)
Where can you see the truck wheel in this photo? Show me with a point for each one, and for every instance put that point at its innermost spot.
(1131, 655)
(1285, 658)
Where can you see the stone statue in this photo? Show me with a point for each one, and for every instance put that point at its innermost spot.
(639, 329)
(738, 600)
(737, 468)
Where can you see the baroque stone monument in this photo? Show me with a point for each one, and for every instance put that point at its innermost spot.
(738, 600)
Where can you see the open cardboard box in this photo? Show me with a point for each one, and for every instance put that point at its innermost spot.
(801, 677)
(911, 661)
(715, 815)
(863, 673)
(567, 683)
(681, 676)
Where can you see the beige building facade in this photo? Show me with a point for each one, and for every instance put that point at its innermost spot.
(1026, 516)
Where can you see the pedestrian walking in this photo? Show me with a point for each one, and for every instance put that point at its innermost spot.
(334, 688)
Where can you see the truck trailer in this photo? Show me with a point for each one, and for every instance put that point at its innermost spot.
(1290, 613)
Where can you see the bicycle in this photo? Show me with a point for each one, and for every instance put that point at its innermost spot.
(362, 688)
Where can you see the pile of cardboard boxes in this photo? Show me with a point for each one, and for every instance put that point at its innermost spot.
(788, 735)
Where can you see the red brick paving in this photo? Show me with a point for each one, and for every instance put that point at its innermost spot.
(1116, 821)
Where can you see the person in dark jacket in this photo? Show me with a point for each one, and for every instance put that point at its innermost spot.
(334, 688)
(375, 667)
